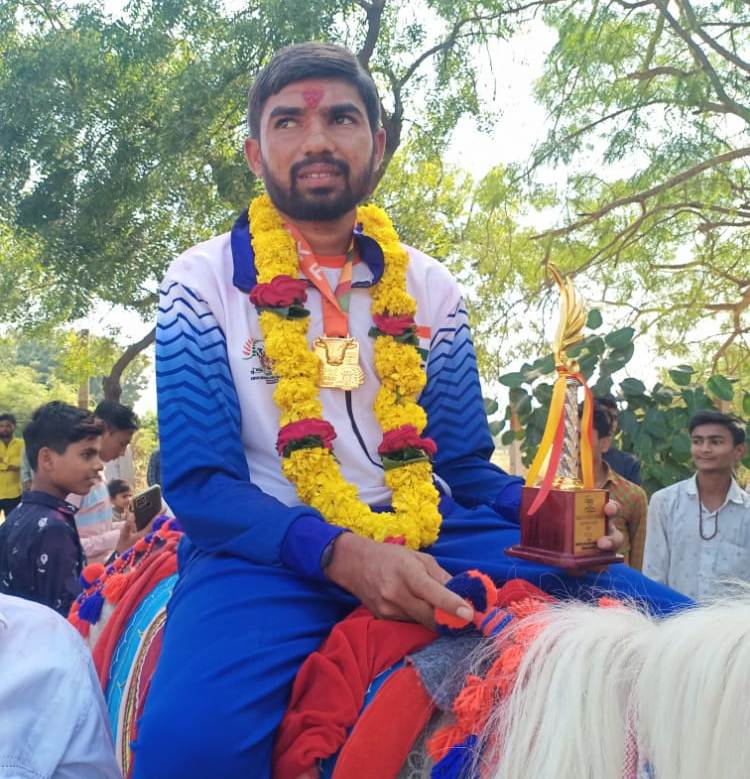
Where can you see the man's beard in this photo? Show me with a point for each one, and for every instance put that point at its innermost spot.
(318, 204)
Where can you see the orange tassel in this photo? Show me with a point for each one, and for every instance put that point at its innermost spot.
(115, 587)
(440, 744)
(473, 705)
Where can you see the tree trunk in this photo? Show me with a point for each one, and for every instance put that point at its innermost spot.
(112, 383)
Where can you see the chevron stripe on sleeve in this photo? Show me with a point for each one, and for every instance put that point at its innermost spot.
(204, 470)
(457, 422)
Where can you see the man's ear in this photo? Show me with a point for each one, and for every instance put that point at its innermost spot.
(740, 450)
(45, 459)
(379, 141)
(252, 155)
(605, 444)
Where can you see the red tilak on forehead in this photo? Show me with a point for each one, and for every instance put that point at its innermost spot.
(312, 97)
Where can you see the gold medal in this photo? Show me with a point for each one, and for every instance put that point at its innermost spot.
(339, 363)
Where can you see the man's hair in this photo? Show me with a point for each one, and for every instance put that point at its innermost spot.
(310, 60)
(601, 419)
(7, 417)
(116, 416)
(117, 487)
(56, 425)
(733, 424)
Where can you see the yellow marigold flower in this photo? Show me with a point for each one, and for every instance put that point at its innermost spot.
(314, 472)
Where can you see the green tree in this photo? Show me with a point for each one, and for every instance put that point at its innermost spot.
(649, 106)
(120, 141)
(653, 423)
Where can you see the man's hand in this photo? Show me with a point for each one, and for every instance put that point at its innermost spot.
(392, 581)
(614, 538)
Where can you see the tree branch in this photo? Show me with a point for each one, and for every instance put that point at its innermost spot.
(111, 384)
(374, 11)
(666, 70)
(639, 197)
(710, 41)
(700, 57)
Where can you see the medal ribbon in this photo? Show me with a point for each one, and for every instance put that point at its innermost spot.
(335, 302)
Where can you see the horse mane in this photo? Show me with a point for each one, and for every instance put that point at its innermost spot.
(601, 692)
(693, 693)
(567, 712)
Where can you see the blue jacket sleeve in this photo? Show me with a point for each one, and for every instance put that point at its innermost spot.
(205, 474)
(457, 422)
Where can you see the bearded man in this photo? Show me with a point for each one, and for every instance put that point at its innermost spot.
(315, 377)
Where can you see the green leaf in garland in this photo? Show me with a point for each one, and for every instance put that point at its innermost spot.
(496, 427)
(404, 456)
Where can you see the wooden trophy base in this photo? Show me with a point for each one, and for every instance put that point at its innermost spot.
(564, 531)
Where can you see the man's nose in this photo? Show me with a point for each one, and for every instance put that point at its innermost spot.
(318, 139)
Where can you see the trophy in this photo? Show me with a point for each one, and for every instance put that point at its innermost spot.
(562, 518)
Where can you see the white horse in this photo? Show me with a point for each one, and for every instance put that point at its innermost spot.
(614, 693)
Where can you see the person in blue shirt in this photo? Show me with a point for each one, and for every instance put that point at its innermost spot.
(263, 576)
(41, 557)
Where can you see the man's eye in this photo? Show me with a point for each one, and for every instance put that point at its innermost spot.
(285, 123)
(343, 119)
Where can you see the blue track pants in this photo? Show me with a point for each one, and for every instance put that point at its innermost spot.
(237, 634)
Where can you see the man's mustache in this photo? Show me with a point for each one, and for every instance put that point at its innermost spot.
(297, 169)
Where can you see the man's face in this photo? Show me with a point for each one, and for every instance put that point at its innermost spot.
(713, 449)
(6, 430)
(76, 469)
(316, 152)
(114, 443)
(600, 445)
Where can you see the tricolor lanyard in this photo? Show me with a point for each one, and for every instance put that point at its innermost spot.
(335, 302)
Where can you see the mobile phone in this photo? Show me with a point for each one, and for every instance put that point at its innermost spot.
(146, 505)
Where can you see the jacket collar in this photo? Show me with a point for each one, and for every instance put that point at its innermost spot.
(245, 276)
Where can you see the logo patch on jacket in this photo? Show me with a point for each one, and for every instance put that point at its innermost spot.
(261, 367)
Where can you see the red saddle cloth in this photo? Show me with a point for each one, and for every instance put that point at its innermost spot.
(329, 692)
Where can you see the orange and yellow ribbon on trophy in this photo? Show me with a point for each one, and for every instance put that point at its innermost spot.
(563, 411)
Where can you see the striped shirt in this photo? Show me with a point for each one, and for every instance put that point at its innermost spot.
(94, 519)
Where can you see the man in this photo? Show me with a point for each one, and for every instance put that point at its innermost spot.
(624, 463)
(98, 535)
(11, 452)
(265, 575)
(630, 498)
(698, 533)
(54, 722)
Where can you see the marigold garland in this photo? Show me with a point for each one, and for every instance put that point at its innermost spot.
(313, 469)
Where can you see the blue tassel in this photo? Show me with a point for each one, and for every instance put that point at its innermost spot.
(457, 763)
(91, 608)
(470, 588)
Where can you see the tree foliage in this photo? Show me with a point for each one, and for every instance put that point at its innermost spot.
(653, 422)
(649, 106)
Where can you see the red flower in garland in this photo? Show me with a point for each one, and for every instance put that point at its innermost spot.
(305, 428)
(393, 325)
(406, 437)
(280, 292)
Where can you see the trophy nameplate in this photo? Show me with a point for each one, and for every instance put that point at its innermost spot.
(560, 526)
